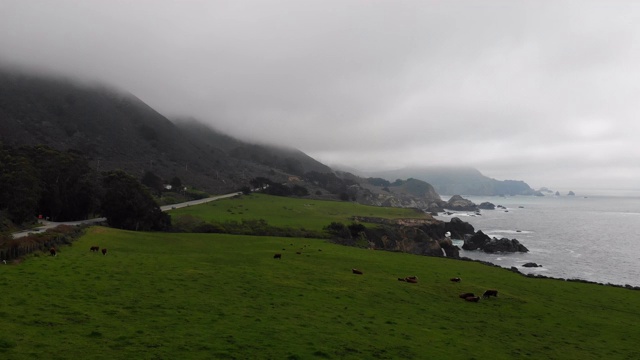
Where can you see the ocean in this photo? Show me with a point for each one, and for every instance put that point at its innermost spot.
(588, 237)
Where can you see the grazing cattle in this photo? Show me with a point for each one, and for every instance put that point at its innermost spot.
(411, 279)
(356, 271)
(455, 279)
(95, 248)
(104, 251)
(466, 295)
(53, 252)
(472, 298)
(402, 279)
(490, 293)
(298, 252)
(277, 256)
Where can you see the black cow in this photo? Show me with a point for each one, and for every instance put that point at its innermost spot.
(104, 251)
(356, 271)
(95, 248)
(455, 279)
(466, 295)
(53, 252)
(490, 293)
(472, 298)
(277, 256)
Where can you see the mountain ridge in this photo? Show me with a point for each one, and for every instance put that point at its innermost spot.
(458, 180)
(116, 130)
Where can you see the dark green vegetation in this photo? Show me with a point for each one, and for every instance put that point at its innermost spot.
(61, 186)
(40, 180)
(128, 205)
(160, 295)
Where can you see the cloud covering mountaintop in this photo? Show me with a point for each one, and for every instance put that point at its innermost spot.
(545, 92)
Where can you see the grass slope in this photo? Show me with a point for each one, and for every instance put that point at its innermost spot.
(290, 212)
(194, 296)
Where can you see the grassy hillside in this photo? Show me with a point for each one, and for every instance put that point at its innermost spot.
(195, 296)
(290, 212)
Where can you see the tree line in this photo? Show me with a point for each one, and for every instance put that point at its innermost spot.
(62, 186)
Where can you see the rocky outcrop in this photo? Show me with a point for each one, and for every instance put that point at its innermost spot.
(403, 222)
(395, 199)
(459, 229)
(486, 206)
(459, 203)
(476, 241)
(480, 241)
(450, 250)
(504, 245)
(531, 265)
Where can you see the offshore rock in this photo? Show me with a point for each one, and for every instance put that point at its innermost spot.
(486, 206)
(476, 241)
(503, 245)
(459, 203)
(459, 229)
(531, 264)
(481, 241)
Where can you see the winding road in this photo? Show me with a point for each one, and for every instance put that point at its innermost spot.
(51, 224)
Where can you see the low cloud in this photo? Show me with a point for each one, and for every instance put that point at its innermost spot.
(544, 92)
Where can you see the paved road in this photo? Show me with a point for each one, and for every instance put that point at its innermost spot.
(51, 224)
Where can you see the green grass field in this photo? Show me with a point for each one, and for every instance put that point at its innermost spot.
(290, 212)
(195, 296)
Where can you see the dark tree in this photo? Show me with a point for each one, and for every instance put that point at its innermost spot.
(68, 186)
(153, 182)
(260, 182)
(128, 205)
(298, 190)
(176, 184)
(19, 187)
(278, 190)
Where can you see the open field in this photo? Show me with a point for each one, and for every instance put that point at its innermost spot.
(290, 212)
(182, 296)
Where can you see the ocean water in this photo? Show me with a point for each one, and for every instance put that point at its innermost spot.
(589, 237)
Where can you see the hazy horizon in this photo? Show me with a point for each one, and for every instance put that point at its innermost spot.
(544, 92)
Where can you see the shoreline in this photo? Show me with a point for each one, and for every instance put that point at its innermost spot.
(538, 276)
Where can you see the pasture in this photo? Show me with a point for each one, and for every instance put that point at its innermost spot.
(212, 296)
(290, 212)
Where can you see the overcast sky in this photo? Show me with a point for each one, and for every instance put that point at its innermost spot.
(542, 91)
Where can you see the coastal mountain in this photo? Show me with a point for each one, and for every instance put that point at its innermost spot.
(459, 180)
(291, 160)
(116, 130)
